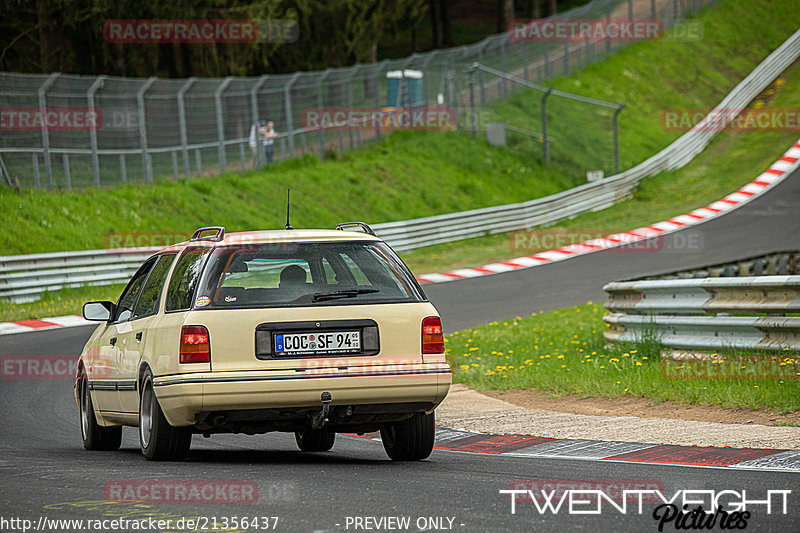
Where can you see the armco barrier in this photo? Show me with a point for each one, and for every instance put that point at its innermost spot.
(695, 313)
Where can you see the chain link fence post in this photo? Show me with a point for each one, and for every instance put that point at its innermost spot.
(545, 140)
(182, 123)
(320, 106)
(98, 83)
(148, 177)
(220, 124)
(287, 104)
(616, 137)
(48, 167)
(473, 112)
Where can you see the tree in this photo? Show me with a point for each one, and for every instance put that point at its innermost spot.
(505, 14)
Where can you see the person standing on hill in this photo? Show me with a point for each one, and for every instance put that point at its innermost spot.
(268, 134)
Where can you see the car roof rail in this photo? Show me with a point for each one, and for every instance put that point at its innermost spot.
(361, 225)
(218, 236)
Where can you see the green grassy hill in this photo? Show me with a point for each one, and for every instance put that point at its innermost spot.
(417, 174)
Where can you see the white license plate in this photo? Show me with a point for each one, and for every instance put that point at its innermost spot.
(326, 342)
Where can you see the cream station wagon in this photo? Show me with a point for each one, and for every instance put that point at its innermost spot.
(314, 332)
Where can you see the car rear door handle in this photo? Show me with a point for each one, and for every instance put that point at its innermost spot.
(139, 336)
(112, 341)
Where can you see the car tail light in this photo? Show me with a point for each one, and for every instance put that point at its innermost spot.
(432, 336)
(195, 345)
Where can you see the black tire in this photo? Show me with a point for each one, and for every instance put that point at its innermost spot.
(411, 439)
(158, 439)
(95, 436)
(314, 440)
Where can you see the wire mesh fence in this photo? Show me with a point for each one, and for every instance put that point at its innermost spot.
(67, 131)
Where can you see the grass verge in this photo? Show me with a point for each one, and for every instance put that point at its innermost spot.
(564, 352)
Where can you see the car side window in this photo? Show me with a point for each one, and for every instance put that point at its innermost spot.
(131, 292)
(151, 293)
(184, 279)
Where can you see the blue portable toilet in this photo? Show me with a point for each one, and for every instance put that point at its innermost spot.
(413, 81)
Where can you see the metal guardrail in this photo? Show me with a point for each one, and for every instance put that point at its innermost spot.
(24, 277)
(695, 313)
(783, 263)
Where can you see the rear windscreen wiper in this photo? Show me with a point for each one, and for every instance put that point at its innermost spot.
(349, 293)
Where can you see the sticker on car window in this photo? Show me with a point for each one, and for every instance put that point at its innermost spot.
(202, 301)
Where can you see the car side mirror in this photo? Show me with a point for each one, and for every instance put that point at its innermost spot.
(98, 311)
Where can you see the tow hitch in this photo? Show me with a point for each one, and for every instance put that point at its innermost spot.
(321, 418)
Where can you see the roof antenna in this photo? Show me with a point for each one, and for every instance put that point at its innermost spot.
(288, 190)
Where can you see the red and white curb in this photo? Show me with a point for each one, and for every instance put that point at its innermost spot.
(458, 440)
(25, 326)
(768, 179)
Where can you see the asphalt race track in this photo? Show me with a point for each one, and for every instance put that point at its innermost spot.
(769, 223)
(45, 472)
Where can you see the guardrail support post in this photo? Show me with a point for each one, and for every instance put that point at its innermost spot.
(93, 130)
(616, 138)
(48, 169)
(148, 177)
(545, 140)
(287, 105)
(220, 125)
(182, 123)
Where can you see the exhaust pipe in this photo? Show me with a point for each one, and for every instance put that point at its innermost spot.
(219, 420)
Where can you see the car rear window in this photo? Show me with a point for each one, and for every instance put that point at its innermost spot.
(305, 274)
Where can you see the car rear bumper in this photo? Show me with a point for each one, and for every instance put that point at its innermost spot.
(185, 396)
